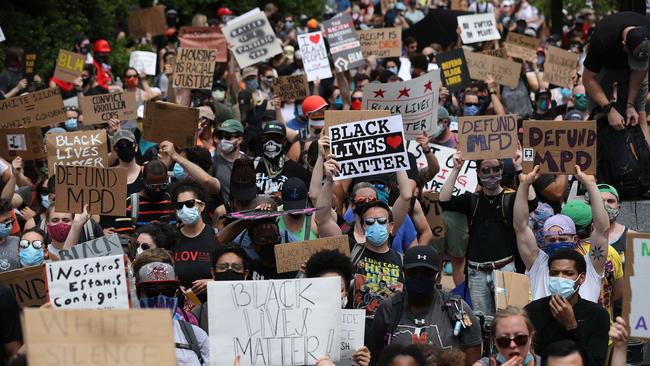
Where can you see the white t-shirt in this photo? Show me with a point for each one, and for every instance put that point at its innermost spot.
(186, 356)
(539, 274)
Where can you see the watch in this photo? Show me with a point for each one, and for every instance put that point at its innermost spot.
(608, 107)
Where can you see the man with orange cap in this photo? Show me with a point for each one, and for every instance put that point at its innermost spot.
(101, 50)
(309, 112)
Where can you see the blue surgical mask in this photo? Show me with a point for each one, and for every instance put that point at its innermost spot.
(288, 25)
(561, 286)
(382, 195)
(189, 216)
(71, 124)
(501, 360)
(30, 256)
(551, 248)
(349, 216)
(470, 110)
(179, 172)
(5, 230)
(159, 302)
(338, 102)
(252, 84)
(377, 234)
(565, 92)
(45, 201)
(392, 70)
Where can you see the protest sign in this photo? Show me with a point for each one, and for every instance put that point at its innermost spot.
(499, 52)
(38, 109)
(308, 311)
(143, 60)
(368, 147)
(314, 56)
(487, 137)
(148, 20)
(381, 42)
(251, 38)
(560, 66)
(521, 46)
(2, 36)
(194, 68)
(142, 337)
(101, 247)
(343, 43)
(636, 300)
(27, 285)
(292, 87)
(503, 71)
(102, 189)
(84, 148)
(511, 289)
(333, 117)
(454, 70)
(353, 323)
(433, 211)
(69, 66)
(89, 283)
(416, 100)
(101, 108)
(171, 122)
(290, 256)
(476, 28)
(30, 59)
(24, 142)
(558, 146)
(466, 181)
(205, 37)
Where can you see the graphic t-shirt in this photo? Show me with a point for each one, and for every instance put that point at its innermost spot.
(378, 276)
(268, 185)
(193, 257)
(9, 254)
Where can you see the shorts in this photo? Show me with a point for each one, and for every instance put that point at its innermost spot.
(456, 235)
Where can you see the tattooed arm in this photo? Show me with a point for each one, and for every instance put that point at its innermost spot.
(599, 236)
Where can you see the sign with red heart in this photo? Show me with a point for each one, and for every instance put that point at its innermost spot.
(314, 56)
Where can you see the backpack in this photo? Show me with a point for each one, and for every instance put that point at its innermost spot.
(188, 332)
(474, 198)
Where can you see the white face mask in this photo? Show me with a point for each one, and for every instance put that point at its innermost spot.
(272, 149)
(226, 146)
(344, 302)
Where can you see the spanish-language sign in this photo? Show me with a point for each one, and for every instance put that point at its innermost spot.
(194, 68)
(478, 27)
(353, 322)
(416, 100)
(69, 66)
(24, 142)
(148, 20)
(366, 147)
(560, 66)
(558, 146)
(503, 71)
(433, 212)
(103, 107)
(381, 42)
(74, 337)
(314, 56)
(38, 109)
(292, 87)
(83, 148)
(27, 285)
(251, 38)
(205, 37)
(290, 256)
(89, 283)
(343, 43)
(521, 46)
(454, 70)
(636, 303)
(143, 60)
(30, 59)
(274, 322)
(487, 137)
(171, 122)
(102, 189)
(101, 247)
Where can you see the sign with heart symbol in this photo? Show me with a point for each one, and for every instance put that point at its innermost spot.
(314, 56)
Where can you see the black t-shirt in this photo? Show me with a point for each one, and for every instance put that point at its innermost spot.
(193, 257)
(10, 330)
(268, 185)
(540, 185)
(606, 42)
(137, 185)
(9, 79)
(547, 116)
(262, 272)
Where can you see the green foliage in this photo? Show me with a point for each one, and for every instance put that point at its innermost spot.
(312, 8)
(601, 7)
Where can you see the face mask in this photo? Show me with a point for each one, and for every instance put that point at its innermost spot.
(272, 149)
(344, 302)
(551, 248)
(542, 104)
(438, 130)
(155, 195)
(85, 81)
(612, 213)
(377, 234)
(226, 146)
(501, 360)
(561, 286)
(131, 82)
(59, 232)
(268, 83)
(540, 60)
(392, 70)
(84, 49)
(31, 256)
(159, 302)
(126, 154)
(71, 124)
(338, 102)
(101, 58)
(382, 195)
(252, 84)
(470, 110)
(179, 172)
(356, 105)
(581, 103)
(349, 216)
(189, 216)
(565, 92)
(218, 95)
(228, 275)
(45, 201)
(490, 181)
(420, 287)
(139, 251)
(299, 111)
(288, 25)
(5, 231)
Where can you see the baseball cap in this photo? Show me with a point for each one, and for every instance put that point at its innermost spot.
(274, 127)
(123, 135)
(294, 194)
(609, 189)
(312, 104)
(231, 126)
(563, 222)
(637, 43)
(442, 113)
(248, 72)
(156, 272)
(312, 23)
(206, 112)
(573, 115)
(423, 256)
(242, 180)
(579, 211)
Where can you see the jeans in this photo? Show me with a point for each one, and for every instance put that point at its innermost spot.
(481, 288)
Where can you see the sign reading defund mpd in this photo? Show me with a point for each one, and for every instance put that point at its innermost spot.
(487, 137)
(369, 147)
(275, 322)
(102, 189)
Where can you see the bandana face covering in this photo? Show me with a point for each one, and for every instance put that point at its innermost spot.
(272, 149)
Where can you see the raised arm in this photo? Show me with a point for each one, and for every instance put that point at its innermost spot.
(426, 174)
(448, 188)
(401, 206)
(207, 182)
(77, 225)
(326, 225)
(600, 234)
(315, 184)
(526, 243)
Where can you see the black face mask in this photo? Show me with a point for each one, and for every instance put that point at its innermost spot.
(229, 275)
(101, 58)
(419, 289)
(84, 49)
(267, 253)
(126, 153)
(85, 81)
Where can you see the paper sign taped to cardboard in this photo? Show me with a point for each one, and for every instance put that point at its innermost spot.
(69, 66)
(194, 68)
(83, 148)
(205, 37)
(466, 181)
(171, 122)
(560, 66)
(290, 256)
(24, 142)
(314, 56)
(381, 42)
(37, 109)
(102, 189)
(636, 299)
(521, 46)
(143, 60)
(433, 212)
(27, 284)
(353, 324)
(503, 71)
(476, 28)
(291, 88)
(103, 107)
(251, 38)
(487, 137)
(149, 20)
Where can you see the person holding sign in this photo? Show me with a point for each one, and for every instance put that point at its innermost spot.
(8, 243)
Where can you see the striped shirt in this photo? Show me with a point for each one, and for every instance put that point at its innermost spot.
(149, 211)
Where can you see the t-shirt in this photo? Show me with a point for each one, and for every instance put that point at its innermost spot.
(188, 356)
(10, 330)
(377, 276)
(613, 271)
(9, 79)
(137, 185)
(262, 272)
(9, 254)
(268, 185)
(193, 256)
(222, 169)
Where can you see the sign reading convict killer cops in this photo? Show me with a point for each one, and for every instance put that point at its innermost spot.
(503, 71)
(194, 68)
(37, 109)
(102, 189)
(487, 137)
(205, 37)
(454, 70)
(85, 148)
(103, 107)
(368, 147)
(314, 56)
(69, 66)
(478, 28)
(344, 44)
(560, 66)
(381, 42)
(636, 302)
(251, 38)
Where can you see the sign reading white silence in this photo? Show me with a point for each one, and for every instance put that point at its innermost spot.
(369, 147)
(275, 322)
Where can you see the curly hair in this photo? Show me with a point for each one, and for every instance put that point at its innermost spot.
(162, 234)
(329, 261)
(188, 186)
(235, 249)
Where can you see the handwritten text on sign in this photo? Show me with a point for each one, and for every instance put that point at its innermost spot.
(100, 247)
(478, 28)
(353, 323)
(204, 37)
(27, 285)
(291, 87)
(560, 66)
(314, 56)
(103, 107)
(37, 109)
(194, 68)
(85, 148)
(381, 42)
(521, 46)
(102, 189)
(503, 71)
(290, 256)
(433, 212)
(251, 37)
(275, 322)
(488, 137)
(636, 302)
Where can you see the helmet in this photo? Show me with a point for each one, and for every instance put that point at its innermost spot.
(224, 11)
(312, 104)
(101, 45)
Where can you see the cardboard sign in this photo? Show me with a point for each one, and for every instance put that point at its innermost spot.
(101, 338)
(290, 88)
(104, 246)
(521, 46)
(503, 71)
(171, 122)
(353, 323)
(500, 52)
(27, 285)
(69, 66)
(101, 108)
(558, 146)
(416, 100)
(636, 300)
(194, 68)
(30, 59)
(143, 60)
(37, 109)
(478, 28)
(369, 147)
(433, 212)
(333, 117)
(83, 148)
(511, 288)
(343, 43)
(560, 66)
(149, 20)
(314, 56)
(381, 42)
(102, 189)
(205, 37)
(290, 256)
(24, 142)
(251, 38)
(487, 137)
(454, 70)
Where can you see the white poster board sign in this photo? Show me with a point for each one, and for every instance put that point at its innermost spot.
(143, 60)
(353, 323)
(478, 28)
(314, 56)
(251, 38)
(636, 300)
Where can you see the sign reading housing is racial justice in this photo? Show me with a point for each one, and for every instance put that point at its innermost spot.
(345, 47)
(453, 69)
(251, 38)
(85, 148)
(636, 311)
(381, 42)
(487, 137)
(476, 28)
(314, 56)
(102, 189)
(194, 68)
(103, 107)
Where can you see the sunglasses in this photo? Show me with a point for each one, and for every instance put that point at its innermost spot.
(369, 221)
(580, 95)
(160, 186)
(37, 244)
(154, 291)
(504, 342)
(363, 200)
(131, 76)
(144, 246)
(226, 136)
(43, 191)
(237, 267)
(493, 169)
(354, 99)
(189, 204)
(471, 104)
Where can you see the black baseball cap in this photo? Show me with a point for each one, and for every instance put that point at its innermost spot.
(637, 43)
(294, 194)
(274, 127)
(377, 203)
(421, 256)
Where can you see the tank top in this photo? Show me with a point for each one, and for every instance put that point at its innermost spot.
(299, 234)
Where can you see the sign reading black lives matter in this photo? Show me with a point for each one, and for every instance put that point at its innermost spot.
(251, 38)
(369, 147)
(345, 47)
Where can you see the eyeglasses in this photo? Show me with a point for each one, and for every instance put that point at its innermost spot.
(131, 76)
(188, 204)
(504, 341)
(369, 221)
(37, 244)
(363, 200)
(155, 291)
(237, 267)
(354, 99)
(493, 169)
(43, 191)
